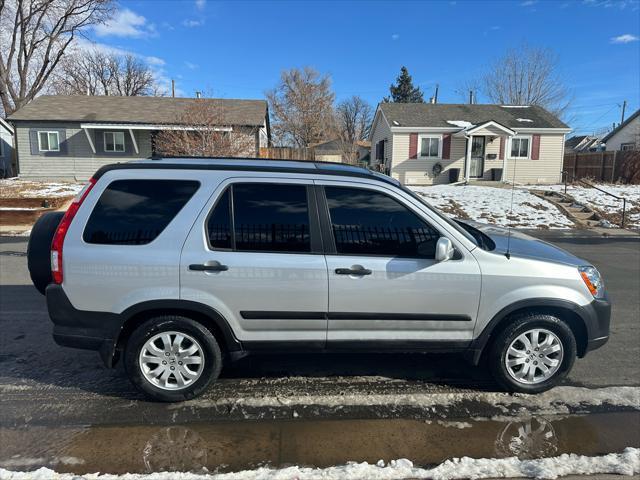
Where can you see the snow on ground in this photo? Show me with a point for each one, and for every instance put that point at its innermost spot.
(493, 205)
(625, 463)
(558, 401)
(609, 207)
(15, 187)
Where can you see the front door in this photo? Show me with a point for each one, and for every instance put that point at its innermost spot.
(477, 157)
(385, 285)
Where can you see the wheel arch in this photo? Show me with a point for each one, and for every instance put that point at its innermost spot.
(203, 314)
(574, 315)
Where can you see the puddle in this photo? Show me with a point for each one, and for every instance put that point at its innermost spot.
(234, 446)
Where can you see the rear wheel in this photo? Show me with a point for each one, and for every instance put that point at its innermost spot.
(533, 354)
(172, 358)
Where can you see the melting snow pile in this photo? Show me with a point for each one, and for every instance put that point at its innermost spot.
(460, 123)
(493, 205)
(625, 463)
(14, 187)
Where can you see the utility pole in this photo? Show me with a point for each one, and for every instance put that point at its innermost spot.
(624, 107)
(173, 88)
(435, 96)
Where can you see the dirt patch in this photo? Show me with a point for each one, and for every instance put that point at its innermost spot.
(539, 207)
(34, 202)
(454, 209)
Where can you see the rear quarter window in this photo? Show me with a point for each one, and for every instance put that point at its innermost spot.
(135, 212)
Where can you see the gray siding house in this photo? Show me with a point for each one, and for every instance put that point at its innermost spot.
(70, 137)
(625, 136)
(423, 143)
(6, 149)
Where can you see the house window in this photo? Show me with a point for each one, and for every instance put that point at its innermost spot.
(49, 141)
(429, 146)
(114, 141)
(380, 150)
(625, 147)
(520, 147)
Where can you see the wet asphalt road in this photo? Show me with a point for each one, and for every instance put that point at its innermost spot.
(44, 384)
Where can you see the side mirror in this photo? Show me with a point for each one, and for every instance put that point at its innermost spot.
(444, 250)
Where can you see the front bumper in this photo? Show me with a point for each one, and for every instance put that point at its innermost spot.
(597, 318)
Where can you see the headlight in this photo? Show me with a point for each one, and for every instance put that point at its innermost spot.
(592, 280)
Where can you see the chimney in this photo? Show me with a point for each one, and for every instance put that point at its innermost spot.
(173, 88)
(198, 94)
(470, 97)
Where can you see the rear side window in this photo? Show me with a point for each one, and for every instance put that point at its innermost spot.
(366, 222)
(135, 212)
(266, 218)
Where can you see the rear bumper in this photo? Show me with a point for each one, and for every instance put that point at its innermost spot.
(80, 329)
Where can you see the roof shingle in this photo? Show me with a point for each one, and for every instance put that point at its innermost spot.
(440, 114)
(154, 110)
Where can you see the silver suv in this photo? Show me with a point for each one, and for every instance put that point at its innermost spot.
(173, 265)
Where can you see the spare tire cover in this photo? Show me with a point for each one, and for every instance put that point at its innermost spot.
(39, 249)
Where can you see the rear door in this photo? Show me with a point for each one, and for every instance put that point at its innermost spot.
(384, 284)
(255, 256)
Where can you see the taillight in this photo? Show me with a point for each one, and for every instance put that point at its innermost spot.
(61, 232)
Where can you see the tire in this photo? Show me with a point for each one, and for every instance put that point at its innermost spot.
(39, 249)
(548, 327)
(170, 390)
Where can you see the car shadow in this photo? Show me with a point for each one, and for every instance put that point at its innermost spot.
(27, 341)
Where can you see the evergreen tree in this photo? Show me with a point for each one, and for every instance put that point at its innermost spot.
(403, 91)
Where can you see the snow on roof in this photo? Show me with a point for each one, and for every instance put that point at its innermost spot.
(514, 106)
(396, 123)
(524, 120)
(461, 123)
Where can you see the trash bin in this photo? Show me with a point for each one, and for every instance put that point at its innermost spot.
(496, 174)
(454, 174)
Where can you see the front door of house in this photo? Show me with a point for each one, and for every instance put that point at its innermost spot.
(477, 157)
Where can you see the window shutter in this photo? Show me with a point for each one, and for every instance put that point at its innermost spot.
(413, 145)
(502, 145)
(535, 148)
(446, 146)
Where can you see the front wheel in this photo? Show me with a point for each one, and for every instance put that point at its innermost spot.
(172, 358)
(533, 354)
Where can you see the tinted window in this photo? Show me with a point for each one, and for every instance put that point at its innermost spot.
(365, 222)
(219, 224)
(271, 218)
(135, 212)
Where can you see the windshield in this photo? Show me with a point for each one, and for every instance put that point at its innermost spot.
(444, 217)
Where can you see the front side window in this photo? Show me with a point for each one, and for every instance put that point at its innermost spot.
(429, 147)
(135, 212)
(49, 141)
(519, 147)
(366, 222)
(271, 217)
(114, 141)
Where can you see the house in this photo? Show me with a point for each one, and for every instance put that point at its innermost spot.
(334, 151)
(426, 143)
(6, 149)
(583, 143)
(70, 137)
(625, 136)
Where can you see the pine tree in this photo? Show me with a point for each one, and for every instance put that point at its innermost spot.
(403, 91)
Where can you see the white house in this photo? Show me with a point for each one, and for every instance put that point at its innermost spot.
(424, 143)
(625, 136)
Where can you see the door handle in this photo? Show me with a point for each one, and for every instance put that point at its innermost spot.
(208, 267)
(353, 271)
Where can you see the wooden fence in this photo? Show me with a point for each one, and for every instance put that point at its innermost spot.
(288, 153)
(604, 166)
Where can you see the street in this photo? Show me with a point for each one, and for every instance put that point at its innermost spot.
(46, 389)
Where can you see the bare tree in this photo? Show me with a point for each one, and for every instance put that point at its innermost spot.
(202, 132)
(352, 123)
(301, 107)
(34, 35)
(527, 76)
(97, 73)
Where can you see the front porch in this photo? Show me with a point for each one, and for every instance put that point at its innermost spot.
(485, 157)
